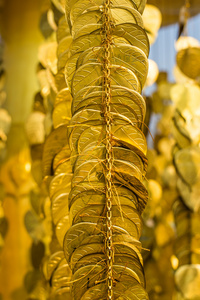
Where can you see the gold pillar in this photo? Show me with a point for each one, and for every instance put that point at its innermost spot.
(20, 32)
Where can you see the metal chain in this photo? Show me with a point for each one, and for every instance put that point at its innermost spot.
(107, 24)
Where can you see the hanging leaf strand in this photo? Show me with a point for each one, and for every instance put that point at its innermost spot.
(105, 72)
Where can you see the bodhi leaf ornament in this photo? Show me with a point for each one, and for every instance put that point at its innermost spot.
(106, 71)
(98, 218)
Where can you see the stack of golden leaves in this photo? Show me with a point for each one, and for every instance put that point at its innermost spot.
(186, 95)
(158, 233)
(58, 59)
(82, 67)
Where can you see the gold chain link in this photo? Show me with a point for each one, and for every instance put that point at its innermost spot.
(107, 25)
